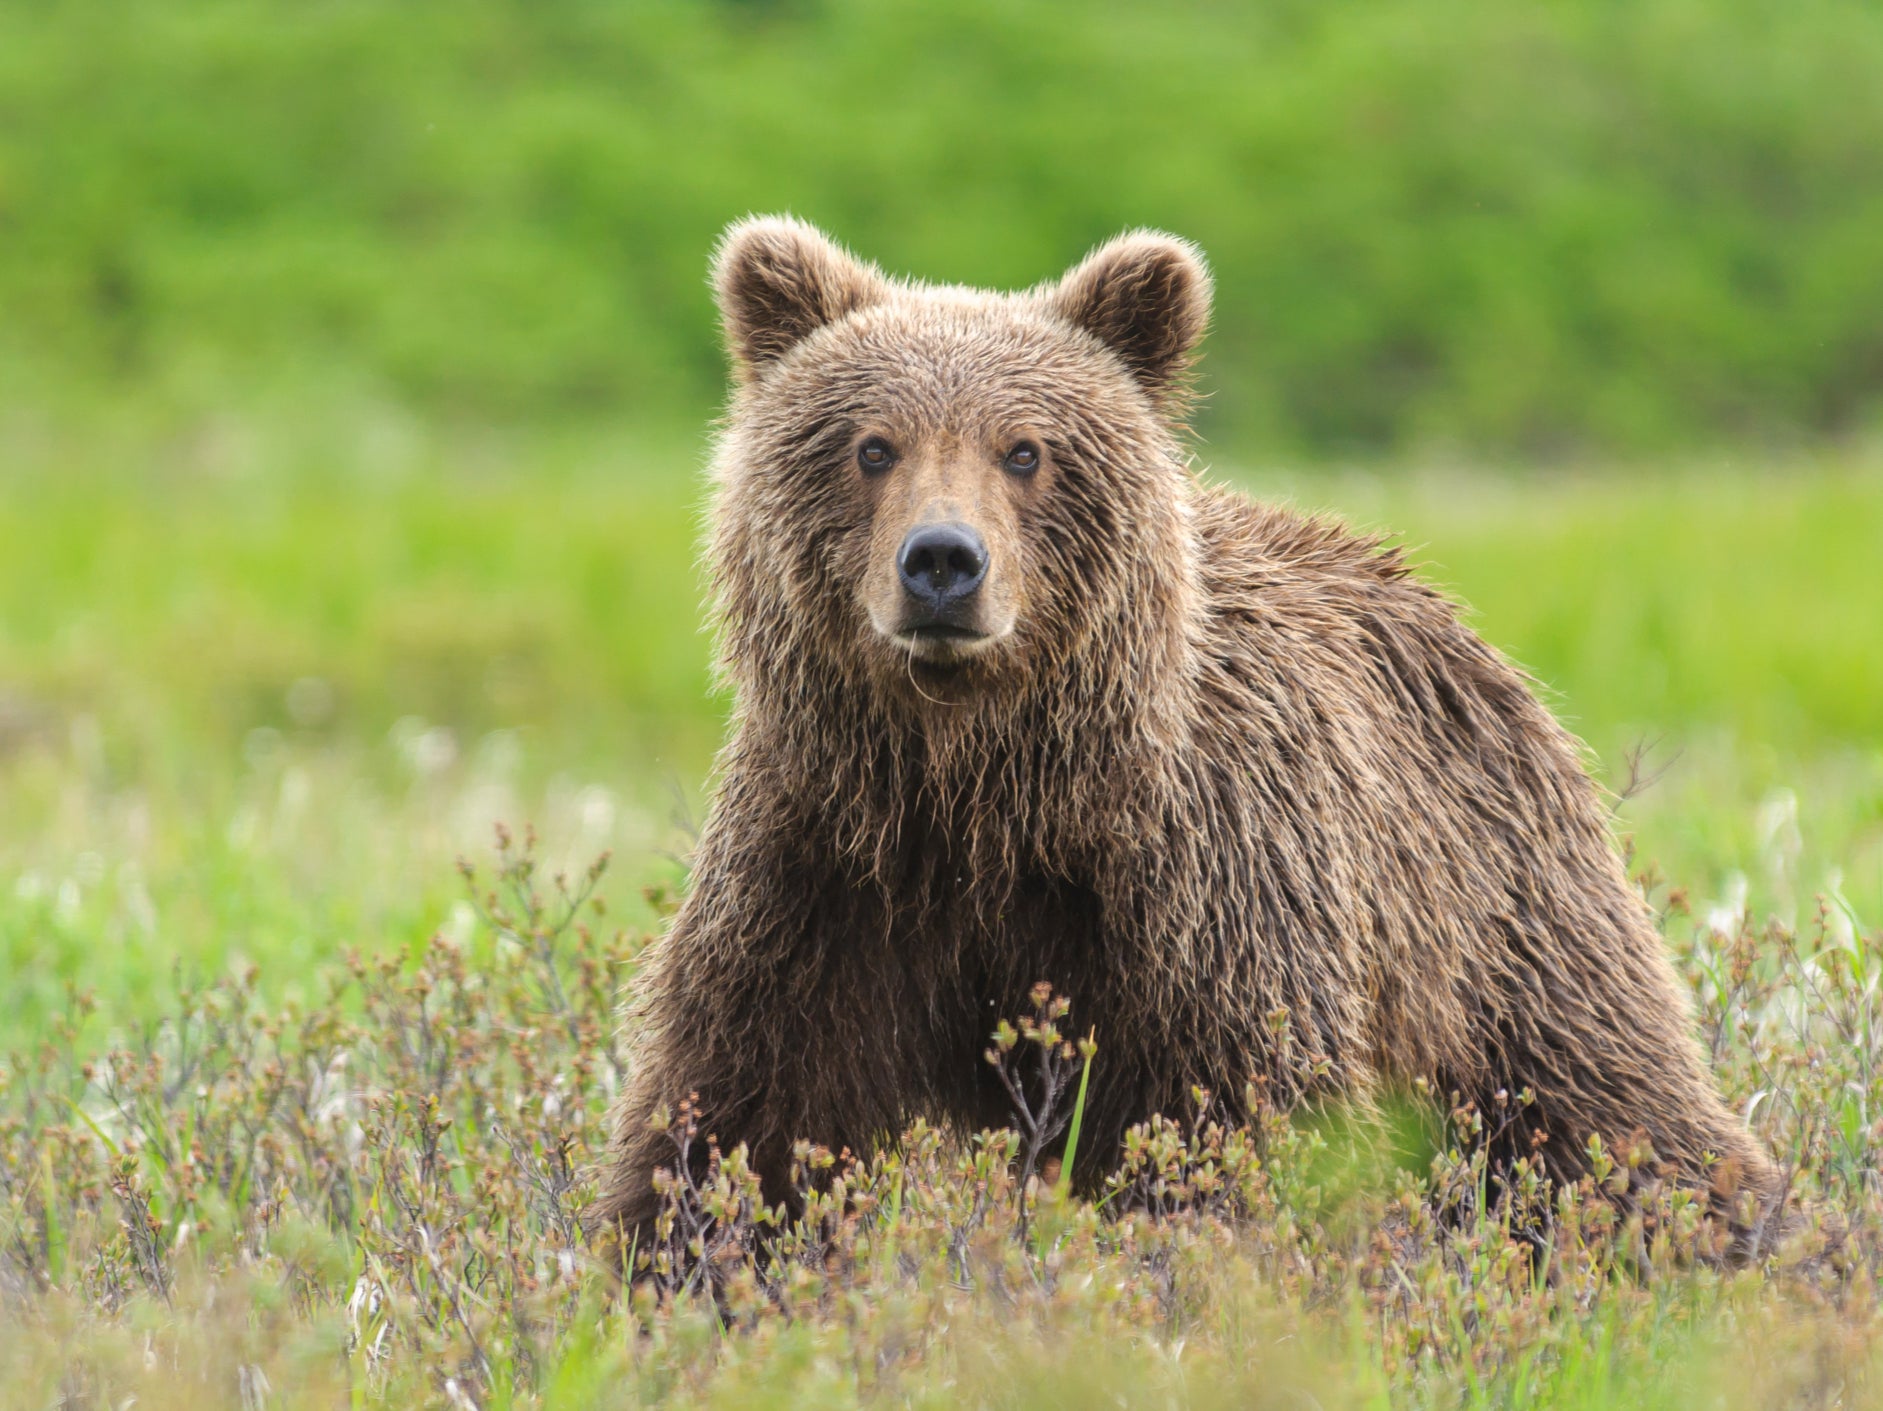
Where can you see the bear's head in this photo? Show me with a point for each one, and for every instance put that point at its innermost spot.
(936, 492)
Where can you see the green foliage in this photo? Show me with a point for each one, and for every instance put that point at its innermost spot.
(1434, 222)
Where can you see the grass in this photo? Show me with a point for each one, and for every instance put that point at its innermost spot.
(262, 683)
(371, 1197)
(252, 706)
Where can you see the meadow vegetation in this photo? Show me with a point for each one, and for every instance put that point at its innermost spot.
(292, 1116)
(373, 1196)
(252, 710)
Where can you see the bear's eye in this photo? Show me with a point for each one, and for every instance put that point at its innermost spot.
(876, 455)
(1023, 459)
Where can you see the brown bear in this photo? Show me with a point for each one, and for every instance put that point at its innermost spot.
(1019, 697)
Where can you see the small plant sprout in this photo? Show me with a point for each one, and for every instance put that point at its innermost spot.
(1036, 1065)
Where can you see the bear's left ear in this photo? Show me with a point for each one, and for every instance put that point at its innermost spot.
(779, 281)
(1146, 296)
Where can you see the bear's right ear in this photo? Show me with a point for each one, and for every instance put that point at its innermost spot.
(778, 281)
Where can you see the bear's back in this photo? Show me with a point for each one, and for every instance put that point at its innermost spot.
(1305, 615)
(1410, 792)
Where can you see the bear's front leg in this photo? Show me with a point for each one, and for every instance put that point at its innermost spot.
(667, 1076)
(760, 1007)
(703, 1014)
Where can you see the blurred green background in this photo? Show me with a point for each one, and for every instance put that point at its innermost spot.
(1531, 228)
(356, 362)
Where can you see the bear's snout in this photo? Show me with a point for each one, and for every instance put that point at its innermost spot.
(941, 567)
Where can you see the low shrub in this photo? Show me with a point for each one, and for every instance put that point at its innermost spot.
(375, 1196)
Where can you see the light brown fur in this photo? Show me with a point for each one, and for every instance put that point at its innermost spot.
(1210, 761)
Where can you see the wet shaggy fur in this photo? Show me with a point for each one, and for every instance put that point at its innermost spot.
(1229, 762)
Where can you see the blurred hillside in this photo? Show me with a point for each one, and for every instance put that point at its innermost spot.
(1538, 229)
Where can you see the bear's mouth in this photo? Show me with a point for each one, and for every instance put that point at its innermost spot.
(940, 643)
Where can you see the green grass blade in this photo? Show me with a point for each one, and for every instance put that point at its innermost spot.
(1078, 1121)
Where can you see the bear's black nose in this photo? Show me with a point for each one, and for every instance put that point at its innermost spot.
(941, 563)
